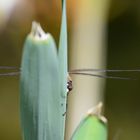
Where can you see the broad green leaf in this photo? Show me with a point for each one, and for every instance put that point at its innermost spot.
(40, 88)
(92, 127)
(62, 54)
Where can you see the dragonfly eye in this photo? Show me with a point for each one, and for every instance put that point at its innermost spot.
(69, 84)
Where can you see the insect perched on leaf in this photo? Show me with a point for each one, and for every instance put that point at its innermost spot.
(84, 72)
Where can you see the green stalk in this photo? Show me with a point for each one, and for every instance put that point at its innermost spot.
(40, 88)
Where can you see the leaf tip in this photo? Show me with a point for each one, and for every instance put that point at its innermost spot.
(37, 31)
(97, 110)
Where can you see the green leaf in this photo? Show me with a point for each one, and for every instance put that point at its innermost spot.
(62, 54)
(40, 88)
(92, 127)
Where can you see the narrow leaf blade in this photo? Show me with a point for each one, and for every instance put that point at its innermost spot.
(62, 54)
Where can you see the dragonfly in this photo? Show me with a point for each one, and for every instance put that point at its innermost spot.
(14, 71)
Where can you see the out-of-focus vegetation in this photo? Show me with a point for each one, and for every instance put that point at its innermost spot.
(123, 33)
(122, 97)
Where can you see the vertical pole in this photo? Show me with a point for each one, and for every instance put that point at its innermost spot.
(88, 50)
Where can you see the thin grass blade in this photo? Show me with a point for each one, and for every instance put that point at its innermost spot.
(62, 54)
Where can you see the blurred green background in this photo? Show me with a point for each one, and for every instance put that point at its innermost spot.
(122, 98)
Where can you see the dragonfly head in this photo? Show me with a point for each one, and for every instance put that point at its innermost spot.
(69, 84)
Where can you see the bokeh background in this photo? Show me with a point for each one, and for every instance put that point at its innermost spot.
(120, 50)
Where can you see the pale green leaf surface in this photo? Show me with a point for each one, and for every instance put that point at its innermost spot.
(62, 54)
(91, 128)
(40, 89)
